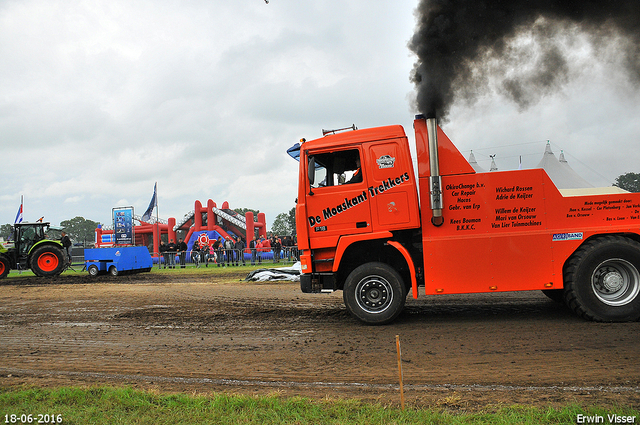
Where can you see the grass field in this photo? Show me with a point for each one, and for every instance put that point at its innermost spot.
(104, 405)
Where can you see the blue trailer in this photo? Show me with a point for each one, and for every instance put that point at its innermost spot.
(129, 259)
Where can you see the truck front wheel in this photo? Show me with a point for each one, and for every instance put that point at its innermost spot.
(47, 261)
(374, 293)
(602, 280)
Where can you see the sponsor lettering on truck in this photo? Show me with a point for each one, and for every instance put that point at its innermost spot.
(368, 226)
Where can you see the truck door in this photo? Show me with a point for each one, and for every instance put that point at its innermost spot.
(392, 185)
(337, 198)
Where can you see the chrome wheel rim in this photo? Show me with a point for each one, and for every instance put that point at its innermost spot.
(374, 294)
(616, 282)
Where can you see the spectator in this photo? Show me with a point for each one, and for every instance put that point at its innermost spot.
(211, 256)
(259, 248)
(239, 251)
(182, 253)
(195, 253)
(252, 248)
(228, 247)
(165, 253)
(276, 244)
(172, 248)
(266, 245)
(204, 253)
(218, 246)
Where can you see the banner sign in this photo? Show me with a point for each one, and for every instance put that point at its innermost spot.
(123, 225)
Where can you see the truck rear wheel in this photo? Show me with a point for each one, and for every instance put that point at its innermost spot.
(113, 271)
(602, 280)
(47, 260)
(374, 293)
(4, 267)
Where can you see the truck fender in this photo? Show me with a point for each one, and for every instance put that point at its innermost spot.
(412, 270)
(346, 241)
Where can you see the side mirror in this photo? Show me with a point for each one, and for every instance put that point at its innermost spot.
(312, 170)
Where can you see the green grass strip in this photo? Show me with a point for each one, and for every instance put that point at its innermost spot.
(104, 405)
(190, 269)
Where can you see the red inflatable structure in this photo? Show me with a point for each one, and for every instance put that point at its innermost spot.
(221, 221)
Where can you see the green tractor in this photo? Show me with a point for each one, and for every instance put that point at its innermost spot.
(30, 249)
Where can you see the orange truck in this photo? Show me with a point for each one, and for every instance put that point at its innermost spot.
(368, 227)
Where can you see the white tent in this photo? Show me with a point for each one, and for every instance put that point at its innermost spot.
(477, 168)
(474, 164)
(563, 176)
(560, 172)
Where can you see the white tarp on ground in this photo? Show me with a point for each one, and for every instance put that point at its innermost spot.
(282, 273)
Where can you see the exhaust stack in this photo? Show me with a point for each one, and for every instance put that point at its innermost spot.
(435, 181)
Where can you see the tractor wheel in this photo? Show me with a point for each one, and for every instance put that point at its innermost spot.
(602, 280)
(374, 293)
(47, 260)
(93, 270)
(113, 271)
(4, 267)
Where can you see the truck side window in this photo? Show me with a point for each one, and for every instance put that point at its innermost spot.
(336, 168)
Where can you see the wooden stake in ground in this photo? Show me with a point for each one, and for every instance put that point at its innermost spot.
(400, 371)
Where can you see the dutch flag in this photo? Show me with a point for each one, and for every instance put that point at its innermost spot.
(19, 215)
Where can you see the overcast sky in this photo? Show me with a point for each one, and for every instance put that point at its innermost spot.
(100, 99)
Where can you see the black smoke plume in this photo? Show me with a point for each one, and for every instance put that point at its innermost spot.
(525, 48)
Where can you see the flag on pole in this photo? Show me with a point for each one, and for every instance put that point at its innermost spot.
(154, 203)
(19, 215)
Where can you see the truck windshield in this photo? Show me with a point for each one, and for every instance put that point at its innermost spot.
(336, 168)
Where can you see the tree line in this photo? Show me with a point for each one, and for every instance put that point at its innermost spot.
(81, 229)
(78, 229)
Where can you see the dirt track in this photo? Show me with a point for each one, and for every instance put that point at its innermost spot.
(199, 333)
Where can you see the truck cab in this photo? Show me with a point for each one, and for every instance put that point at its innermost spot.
(357, 194)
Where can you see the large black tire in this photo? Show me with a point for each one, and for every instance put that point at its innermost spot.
(48, 260)
(602, 280)
(374, 293)
(113, 271)
(4, 266)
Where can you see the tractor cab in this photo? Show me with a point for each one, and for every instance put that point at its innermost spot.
(26, 235)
